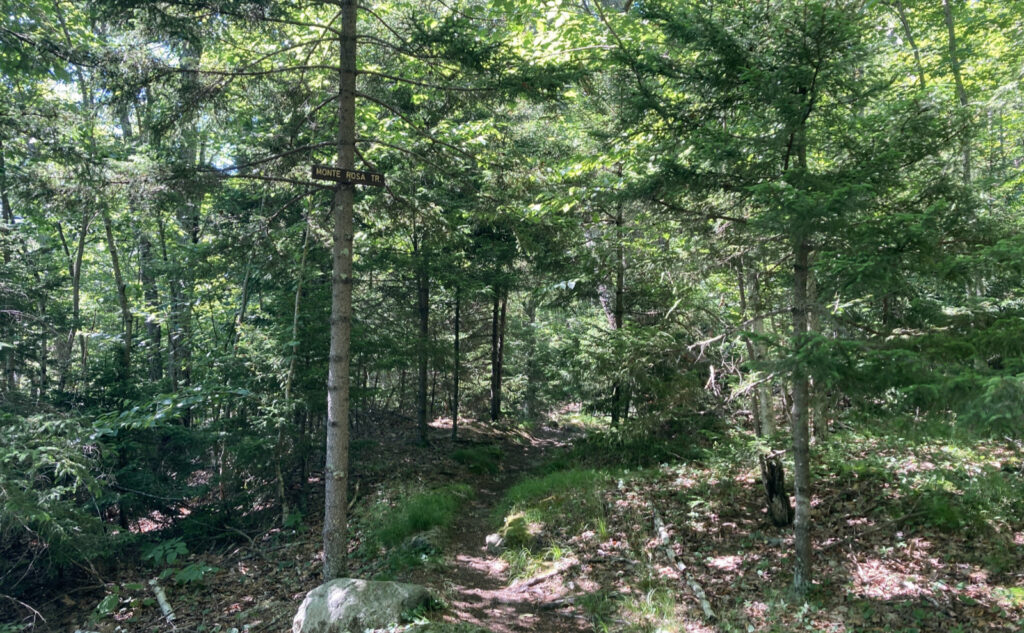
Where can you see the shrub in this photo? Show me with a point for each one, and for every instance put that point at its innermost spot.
(48, 489)
(637, 444)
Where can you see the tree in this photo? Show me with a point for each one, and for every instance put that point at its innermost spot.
(784, 117)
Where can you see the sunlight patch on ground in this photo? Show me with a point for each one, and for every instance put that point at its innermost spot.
(881, 580)
(682, 481)
(1010, 597)
(725, 563)
(859, 522)
(696, 626)
(155, 521)
(482, 565)
(441, 423)
(912, 465)
(756, 610)
(666, 571)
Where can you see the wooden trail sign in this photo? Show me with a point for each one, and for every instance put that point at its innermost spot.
(348, 176)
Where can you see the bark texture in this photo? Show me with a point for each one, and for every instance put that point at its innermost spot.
(335, 532)
(422, 348)
(801, 434)
(456, 369)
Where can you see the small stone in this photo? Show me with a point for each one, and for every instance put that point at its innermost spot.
(494, 544)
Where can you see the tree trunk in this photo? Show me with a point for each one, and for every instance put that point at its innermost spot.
(530, 399)
(501, 346)
(6, 224)
(764, 416)
(290, 409)
(173, 294)
(122, 300)
(44, 350)
(423, 344)
(175, 336)
(235, 327)
(335, 533)
(496, 356)
(456, 369)
(773, 476)
(6, 213)
(75, 266)
(961, 91)
(152, 298)
(818, 412)
(188, 215)
(619, 309)
(76, 273)
(801, 448)
(909, 33)
(401, 389)
(5, 203)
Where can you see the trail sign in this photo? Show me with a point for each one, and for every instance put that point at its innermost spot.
(348, 176)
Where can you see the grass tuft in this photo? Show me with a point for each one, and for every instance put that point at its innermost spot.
(568, 498)
(482, 460)
(409, 525)
(420, 512)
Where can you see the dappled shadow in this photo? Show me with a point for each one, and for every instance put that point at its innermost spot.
(474, 582)
(873, 572)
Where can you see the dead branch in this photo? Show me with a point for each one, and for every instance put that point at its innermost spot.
(664, 539)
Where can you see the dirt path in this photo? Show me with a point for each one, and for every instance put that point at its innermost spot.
(476, 585)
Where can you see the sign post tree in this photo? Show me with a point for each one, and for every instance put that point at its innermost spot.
(336, 466)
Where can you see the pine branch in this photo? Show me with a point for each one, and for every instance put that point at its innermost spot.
(418, 128)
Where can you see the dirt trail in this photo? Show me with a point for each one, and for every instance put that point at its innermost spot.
(476, 585)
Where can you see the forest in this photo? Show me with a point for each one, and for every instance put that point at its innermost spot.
(641, 316)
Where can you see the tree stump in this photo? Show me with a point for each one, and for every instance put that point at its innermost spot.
(774, 479)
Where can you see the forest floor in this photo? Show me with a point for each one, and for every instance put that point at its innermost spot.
(911, 535)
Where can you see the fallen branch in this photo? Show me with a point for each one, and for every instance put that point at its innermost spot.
(570, 601)
(876, 528)
(664, 539)
(609, 560)
(161, 598)
(355, 496)
(560, 603)
(252, 541)
(35, 614)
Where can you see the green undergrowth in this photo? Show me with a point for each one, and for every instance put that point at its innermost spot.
(640, 444)
(570, 499)
(932, 475)
(913, 483)
(482, 460)
(523, 563)
(538, 516)
(407, 525)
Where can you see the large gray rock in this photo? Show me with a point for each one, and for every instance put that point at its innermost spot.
(350, 605)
